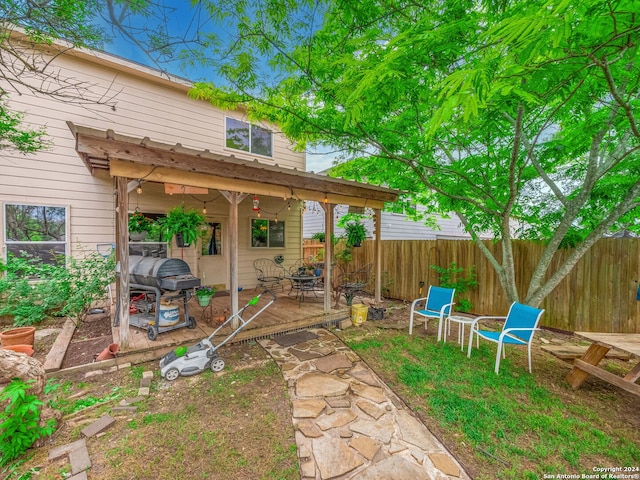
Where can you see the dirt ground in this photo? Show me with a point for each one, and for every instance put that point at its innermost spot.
(226, 412)
(90, 338)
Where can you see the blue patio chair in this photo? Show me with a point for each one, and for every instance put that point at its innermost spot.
(437, 304)
(519, 326)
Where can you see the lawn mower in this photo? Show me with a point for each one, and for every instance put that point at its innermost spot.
(197, 358)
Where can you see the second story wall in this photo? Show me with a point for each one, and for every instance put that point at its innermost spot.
(128, 98)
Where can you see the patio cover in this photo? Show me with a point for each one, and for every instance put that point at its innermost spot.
(125, 157)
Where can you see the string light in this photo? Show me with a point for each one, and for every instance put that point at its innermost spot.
(139, 189)
(326, 200)
(276, 219)
(204, 209)
(289, 206)
(259, 215)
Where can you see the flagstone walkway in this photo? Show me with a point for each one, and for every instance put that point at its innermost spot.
(348, 423)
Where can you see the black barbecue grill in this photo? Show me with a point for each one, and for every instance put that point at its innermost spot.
(155, 285)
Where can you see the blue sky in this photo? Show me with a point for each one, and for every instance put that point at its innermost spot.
(181, 24)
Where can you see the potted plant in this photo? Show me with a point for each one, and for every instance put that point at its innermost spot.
(18, 336)
(355, 232)
(139, 225)
(204, 294)
(184, 223)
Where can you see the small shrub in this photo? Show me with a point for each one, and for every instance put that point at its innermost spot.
(454, 277)
(31, 290)
(20, 421)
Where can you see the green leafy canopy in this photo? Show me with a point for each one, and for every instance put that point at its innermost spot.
(519, 116)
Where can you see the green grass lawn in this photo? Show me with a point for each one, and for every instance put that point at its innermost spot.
(508, 426)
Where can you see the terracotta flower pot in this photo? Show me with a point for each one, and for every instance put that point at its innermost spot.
(28, 349)
(109, 352)
(18, 336)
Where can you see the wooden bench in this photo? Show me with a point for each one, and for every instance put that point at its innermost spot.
(569, 353)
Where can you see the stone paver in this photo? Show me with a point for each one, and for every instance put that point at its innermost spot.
(334, 457)
(64, 450)
(370, 409)
(309, 429)
(79, 460)
(375, 394)
(367, 447)
(77, 452)
(394, 467)
(382, 430)
(336, 420)
(363, 374)
(80, 476)
(443, 463)
(315, 384)
(332, 362)
(310, 408)
(98, 426)
(414, 432)
(349, 424)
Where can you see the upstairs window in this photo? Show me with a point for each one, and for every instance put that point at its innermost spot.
(249, 138)
(37, 230)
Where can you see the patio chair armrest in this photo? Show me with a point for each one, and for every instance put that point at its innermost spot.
(507, 331)
(444, 307)
(474, 325)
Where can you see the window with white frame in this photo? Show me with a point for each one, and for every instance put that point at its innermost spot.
(249, 138)
(267, 233)
(35, 230)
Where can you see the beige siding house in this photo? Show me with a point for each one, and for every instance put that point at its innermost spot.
(138, 127)
(139, 102)
(394, 226)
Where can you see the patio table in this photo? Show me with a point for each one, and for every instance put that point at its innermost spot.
(462, 322)
(601, 344)
(302, 283)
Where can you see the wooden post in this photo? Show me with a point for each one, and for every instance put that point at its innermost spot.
(122, 247)
(234, 199)
(328, 253)
(378, 255)
(592, 356)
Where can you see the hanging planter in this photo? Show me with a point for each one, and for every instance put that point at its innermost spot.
(184, 224)
(139, 225)
(18, 336)
(137, 236)
(356, 233)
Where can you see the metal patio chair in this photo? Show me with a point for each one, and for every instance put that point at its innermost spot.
(437, 304)
(269, 273)
(519, 326)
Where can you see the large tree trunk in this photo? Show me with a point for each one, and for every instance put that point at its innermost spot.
(19, 365)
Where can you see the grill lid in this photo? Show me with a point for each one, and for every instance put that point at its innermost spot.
(165, 273)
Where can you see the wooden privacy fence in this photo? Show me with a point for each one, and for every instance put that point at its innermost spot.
(599, 295)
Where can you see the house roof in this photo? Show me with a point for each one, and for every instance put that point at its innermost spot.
(142, 158)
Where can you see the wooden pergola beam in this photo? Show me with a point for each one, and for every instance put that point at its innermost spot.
(120, 168)
(177, 164)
